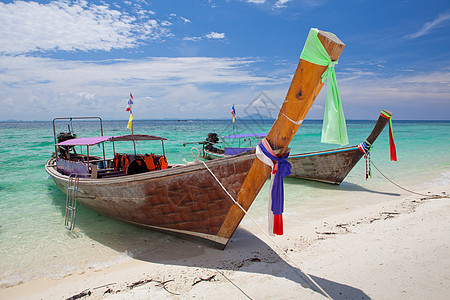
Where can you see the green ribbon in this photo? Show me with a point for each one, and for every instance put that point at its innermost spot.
(334, 129)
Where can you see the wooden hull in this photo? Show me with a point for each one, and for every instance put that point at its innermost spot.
(183, 200)
(332, 166)
(213, 155)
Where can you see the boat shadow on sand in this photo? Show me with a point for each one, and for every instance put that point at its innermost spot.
(245, 252)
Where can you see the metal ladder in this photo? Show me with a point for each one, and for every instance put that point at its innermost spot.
(71, 202)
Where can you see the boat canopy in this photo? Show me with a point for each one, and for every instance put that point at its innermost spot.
(90, 141)
(136, 137)
(244, 135)
(85, 141)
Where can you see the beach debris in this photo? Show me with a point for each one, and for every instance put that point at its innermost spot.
(343, 226)
(139, 283)
(340, 228)
(389, 214)
(108, 291)
(80, 295)
(210, 278)
(105, 285)
(163, 285)
(434, 196)
(326, 232)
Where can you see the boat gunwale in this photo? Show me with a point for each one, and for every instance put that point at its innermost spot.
(330, 151)
(153, 175)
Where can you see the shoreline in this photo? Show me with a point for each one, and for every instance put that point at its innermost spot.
(393, 249)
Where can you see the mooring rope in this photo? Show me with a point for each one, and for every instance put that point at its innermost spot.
(267, 235)
(242, 291)
(196, 160)
(405, 189)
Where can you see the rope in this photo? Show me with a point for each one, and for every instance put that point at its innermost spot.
(267, 235)
(221, 273)
(405, 189)
(196, 160)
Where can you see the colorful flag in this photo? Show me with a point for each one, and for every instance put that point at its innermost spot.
(130, 102)
(130, 121)
(233, 113)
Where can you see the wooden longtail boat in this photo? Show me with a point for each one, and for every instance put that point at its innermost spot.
(329, 166)
(187, 200)
(332, 166)
(210, 151)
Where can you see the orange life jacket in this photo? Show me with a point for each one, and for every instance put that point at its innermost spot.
(116, 162)
(163, 162)
(149, 161)
(125, 161)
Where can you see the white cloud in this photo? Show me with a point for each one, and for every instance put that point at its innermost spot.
(430, 26)
(195, 87)
(194, 38)
(211, 35)
(277, 4)
(165, 23)
(215, 35)
(281, 3)
(256, 1)
(61, 25)
(82, 87)
(409, 95)
(145, 12)
(185, 20)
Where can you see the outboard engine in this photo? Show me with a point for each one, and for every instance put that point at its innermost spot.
(64, 136)
(210, 141)
(212, 138)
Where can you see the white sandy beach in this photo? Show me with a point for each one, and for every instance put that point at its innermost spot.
(396, 249)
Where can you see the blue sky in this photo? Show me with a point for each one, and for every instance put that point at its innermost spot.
(194, 59)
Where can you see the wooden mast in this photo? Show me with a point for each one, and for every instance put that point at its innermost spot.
(305, 86)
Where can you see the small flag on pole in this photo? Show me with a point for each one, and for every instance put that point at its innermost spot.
(130, 121)
(233, 113)
(130, 103)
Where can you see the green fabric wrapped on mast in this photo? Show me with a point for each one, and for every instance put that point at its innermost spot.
(334, 129)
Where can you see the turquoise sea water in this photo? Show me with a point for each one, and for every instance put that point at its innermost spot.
(34, 242)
